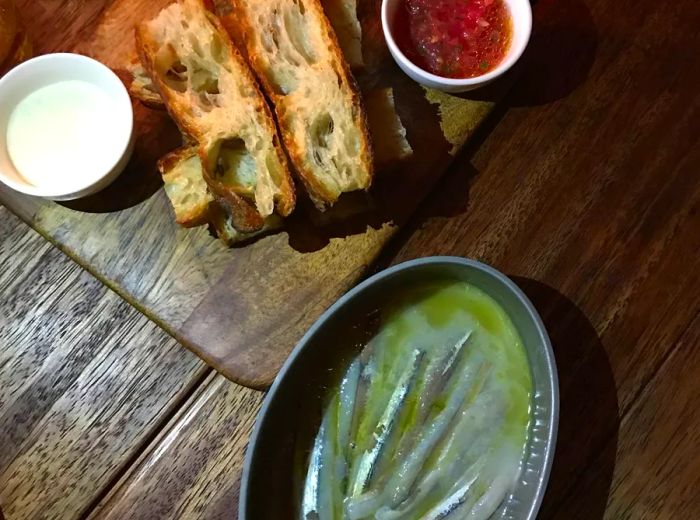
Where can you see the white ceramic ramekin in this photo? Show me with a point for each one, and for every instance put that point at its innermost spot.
(46, 70)
(521, 14)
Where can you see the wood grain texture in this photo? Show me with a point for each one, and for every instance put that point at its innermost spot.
(242, 310)
(657, 468)
(85, 380)
(193, 470)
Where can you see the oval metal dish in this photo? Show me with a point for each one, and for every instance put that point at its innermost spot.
(272, 462)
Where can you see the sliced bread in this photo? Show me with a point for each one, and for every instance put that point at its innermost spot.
(388, 133)
(142, 87)
(192, 202)
(293, 50)
(343, 17)
(213, 97)
(222, 224)
(185, 186)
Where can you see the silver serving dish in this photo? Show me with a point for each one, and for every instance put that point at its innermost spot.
(272, 466)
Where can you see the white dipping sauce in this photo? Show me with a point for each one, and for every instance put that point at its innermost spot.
(61, 135)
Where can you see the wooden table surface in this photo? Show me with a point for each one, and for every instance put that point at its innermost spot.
(583, 185)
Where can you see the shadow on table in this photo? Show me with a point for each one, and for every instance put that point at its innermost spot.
(397, 188)
(589, 412)
(560, 54)
(557, 60)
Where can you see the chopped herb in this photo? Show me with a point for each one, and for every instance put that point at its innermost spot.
(484, 65)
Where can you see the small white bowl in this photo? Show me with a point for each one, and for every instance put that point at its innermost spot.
(45, 70)
(521, 15)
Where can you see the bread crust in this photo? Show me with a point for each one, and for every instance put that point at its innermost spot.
(245, 214)
(200, 213)
(199, 206)
(342, 15)
(141, 86)
(236, 20)
(221, 224)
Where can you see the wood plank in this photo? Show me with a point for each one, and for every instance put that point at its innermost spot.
(242, 310)
(194, 469)
(657, 470)
(86, 380)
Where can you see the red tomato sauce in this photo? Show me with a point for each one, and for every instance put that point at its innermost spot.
(454, 38)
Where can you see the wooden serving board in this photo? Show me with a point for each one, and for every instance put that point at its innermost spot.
(240, 309)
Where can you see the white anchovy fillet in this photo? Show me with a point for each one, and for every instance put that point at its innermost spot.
(404, 509)
(330, 496)
(434, 381)
(363, 506)
(452, 502)
(455, 473)
(348, 395)
(353, 449)
(407, 473)
(309, 503)
(452, 453)
(467, 428)
(369, 458)
(368, 362)
(488, 502)
(454, 352)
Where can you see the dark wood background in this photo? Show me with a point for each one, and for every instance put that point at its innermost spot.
(583, 185)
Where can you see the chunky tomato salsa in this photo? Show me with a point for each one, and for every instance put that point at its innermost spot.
(454, 38)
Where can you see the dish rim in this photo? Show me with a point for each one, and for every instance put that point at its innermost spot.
(553, 379)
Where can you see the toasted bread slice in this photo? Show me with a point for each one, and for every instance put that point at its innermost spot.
(222, 224)
(213, 97)
(185, 187)
(343, 17)
(388, 133)
(192, 202)
(142, 87)
(294, 51)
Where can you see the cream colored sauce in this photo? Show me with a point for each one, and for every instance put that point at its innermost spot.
(61, 135)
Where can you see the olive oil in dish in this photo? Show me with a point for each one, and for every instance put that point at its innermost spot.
(430, 420)
(61, 134)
